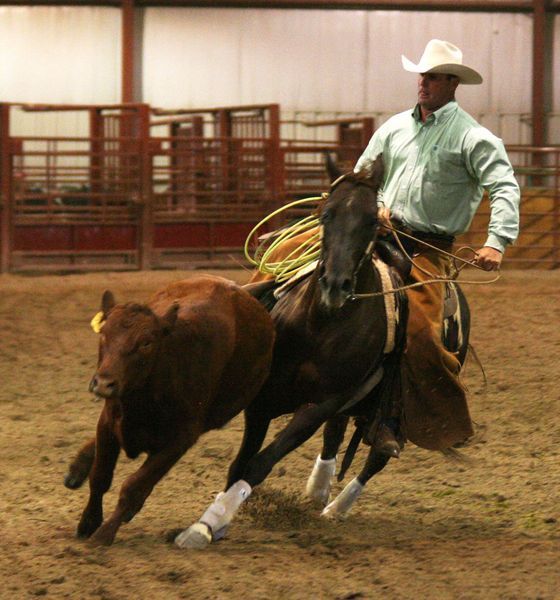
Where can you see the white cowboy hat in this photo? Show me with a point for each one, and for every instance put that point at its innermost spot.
(443, 57)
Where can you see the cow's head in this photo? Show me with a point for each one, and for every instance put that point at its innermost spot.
(129, 342)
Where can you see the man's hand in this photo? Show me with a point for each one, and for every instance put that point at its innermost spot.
(384, 217)
(488, 258)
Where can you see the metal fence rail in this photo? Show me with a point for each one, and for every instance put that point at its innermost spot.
(151, 188)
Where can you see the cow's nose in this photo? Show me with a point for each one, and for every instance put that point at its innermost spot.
(103, 386)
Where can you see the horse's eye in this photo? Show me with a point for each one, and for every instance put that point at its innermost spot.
(325, 216)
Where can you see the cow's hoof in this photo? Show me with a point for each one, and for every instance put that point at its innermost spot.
(196, 537)
(73, 481)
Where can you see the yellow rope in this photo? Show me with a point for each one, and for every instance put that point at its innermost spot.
(310, 249)
(304, 254)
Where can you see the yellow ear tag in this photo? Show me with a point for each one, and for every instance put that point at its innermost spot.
(97, 322)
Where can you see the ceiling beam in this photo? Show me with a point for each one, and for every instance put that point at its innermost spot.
(403, 5)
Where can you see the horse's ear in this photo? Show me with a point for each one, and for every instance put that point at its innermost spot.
(376, 171)
(373, 172)
(107, 302)
(333, 171)
(170, 318)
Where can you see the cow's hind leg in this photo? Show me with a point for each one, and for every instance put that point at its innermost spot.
(342, 504)
(318, 486)
(80, 467)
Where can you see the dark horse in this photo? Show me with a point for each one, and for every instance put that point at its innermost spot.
(328, 352)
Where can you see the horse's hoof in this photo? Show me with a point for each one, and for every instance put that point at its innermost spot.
(196, 537)
(330, 512)
(319, 498)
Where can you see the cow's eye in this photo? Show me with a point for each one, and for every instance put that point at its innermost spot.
(144, 345)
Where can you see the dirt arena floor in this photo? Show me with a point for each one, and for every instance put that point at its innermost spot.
(426, 528)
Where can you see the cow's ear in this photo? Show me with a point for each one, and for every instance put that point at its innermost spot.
(170, 318)
(107, 302)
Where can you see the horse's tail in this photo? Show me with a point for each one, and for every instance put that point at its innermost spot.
(263, 291)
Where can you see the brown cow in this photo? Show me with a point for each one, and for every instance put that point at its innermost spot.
(185, 363)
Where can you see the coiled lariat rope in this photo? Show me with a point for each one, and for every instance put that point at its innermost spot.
(301, 256)
(310, 249)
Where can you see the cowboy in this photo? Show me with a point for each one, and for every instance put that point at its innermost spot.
(438, 162)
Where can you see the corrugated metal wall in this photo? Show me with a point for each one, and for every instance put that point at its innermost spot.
(306, 60)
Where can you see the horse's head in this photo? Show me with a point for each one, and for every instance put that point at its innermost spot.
(349, 226)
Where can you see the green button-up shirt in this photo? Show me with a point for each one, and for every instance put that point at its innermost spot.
(436, 172)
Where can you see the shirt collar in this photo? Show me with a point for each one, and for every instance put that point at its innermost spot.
(441, 114)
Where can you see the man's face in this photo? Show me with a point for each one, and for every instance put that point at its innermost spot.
(435, 90)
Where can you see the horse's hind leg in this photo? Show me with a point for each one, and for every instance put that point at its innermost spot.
(81, 465)
(342, 504)
(318, 486)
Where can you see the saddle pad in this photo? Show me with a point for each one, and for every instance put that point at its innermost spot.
(301, 274)
(391, 303)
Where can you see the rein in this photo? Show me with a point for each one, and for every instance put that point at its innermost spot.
(310, 250)
(434, 278)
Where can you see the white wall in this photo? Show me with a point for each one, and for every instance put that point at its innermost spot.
(307, 60)
(326, 60)
(59, 55)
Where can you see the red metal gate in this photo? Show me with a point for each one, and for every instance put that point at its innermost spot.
(215, 174)
(75, 202)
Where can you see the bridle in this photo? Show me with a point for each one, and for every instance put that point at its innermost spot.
(368, 252)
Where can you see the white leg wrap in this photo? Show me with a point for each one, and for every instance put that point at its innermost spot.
(342, 504)
(213, 523)
(319, 483)
(224, 507)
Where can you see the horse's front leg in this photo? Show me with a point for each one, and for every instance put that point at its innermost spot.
(219, 514)
(342, 504)
(106, 450)
(80, 467)
(318, 486)
(137, 487)
(256, 426)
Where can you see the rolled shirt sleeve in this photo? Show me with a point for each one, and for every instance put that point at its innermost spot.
(487, 161)
(436, 172)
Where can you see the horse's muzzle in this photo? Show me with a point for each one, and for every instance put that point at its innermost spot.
(334, 295)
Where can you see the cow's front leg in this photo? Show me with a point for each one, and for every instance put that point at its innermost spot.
(137, 488)
(100, 476)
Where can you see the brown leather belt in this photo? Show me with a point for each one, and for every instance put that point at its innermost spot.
(441, 241)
